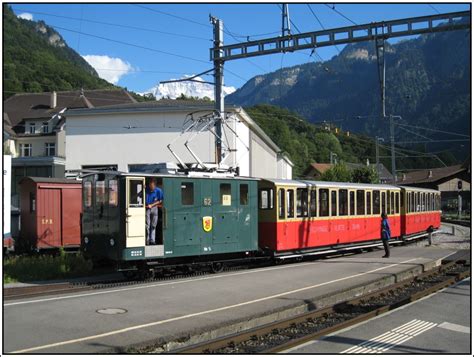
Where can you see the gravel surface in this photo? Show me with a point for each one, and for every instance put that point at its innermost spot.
(460, 240)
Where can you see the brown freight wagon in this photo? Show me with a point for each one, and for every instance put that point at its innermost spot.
(50, 213)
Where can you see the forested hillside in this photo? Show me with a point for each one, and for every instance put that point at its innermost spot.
(306, 142)
(428, 85)
(37, 59)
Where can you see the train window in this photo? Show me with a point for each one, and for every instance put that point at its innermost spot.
(87, 194)
(352, 203)
(376, 202)
(418, 202)
(136, 193)
(333, 203)
(244, 194)
(412, 202)
(302, 202)
(397, 202)
(438, 202)
(388, 202)
(187, 193)
(225, 194)
(32, 202)
(323, 202)
(392, 202)
(113, 193)
(432, 202)
(384, 203)
(290, 198)
(100, 192)
(312, 204)
(281, 203)
(343, 206)
(266, 198)
(360, 202)
(369, 203)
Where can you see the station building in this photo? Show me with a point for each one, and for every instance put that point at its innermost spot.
(127, 136)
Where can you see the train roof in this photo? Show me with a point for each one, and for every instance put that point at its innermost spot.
(197, 175)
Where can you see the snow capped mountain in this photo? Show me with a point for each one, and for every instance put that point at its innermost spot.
(189, 89)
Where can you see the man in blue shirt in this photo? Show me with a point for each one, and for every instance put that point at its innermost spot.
(385, 234)
(154, 198)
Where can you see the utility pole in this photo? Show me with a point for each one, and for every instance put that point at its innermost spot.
(377, 155)
(218, 83)
(285, 21)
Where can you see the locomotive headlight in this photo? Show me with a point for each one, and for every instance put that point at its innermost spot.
(86, 240)
(112, 242)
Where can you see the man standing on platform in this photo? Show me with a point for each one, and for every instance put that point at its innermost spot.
(385, 234)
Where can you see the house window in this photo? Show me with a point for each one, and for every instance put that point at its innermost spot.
(32, 128)
(26, 150)
(45, 127)
(50, 149)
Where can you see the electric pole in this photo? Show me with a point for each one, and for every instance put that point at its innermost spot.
(218, 83)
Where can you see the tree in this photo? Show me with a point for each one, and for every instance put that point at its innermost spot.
(337, 173)
(365, 174)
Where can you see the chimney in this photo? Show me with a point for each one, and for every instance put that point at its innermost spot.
(430, 173)
(404, 177)
(53, 100)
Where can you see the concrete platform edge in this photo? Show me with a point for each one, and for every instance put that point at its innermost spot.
(166, 344)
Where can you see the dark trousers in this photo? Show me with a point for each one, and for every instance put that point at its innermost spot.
(386, 246)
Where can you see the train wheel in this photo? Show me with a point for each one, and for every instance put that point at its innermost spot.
(217, 267)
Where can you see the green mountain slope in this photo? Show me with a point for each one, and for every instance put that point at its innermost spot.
(427, 84)
(306, 142)
(37, 59)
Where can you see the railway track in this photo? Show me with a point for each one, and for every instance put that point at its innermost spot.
(283, 335)
(169, 275)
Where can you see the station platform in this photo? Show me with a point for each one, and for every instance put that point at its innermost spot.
(166, 315)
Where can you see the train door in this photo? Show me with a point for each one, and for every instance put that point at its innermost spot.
(245, 224)
(225, 213)
(207, 216)
(186, 217)
(49, 217)
(135, 212)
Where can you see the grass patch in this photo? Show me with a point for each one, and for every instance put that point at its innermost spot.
(45, 267)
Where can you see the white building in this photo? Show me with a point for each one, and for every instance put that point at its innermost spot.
(128, 135)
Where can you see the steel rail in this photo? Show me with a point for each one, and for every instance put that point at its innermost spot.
(255, 333)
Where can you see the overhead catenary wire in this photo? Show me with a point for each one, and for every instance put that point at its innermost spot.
(341, 14)
(173, 15)
(119, 25)
(144, 48)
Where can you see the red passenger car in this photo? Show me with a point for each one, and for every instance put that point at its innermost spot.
(50, 213)
(421, 210)
(305, 215)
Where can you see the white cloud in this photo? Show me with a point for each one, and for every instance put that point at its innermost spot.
(26, 16)
(109, 68)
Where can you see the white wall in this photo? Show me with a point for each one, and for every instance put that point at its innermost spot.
(284, 169)
(263, 160)
(105, 140)
(7, 180)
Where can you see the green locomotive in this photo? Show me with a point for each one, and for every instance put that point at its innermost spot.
(203, 219)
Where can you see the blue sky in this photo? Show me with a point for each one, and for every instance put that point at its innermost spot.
(139, 69)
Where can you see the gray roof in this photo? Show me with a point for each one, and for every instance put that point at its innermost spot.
(49, 180)
(324, 184)
(162, 105)
(37, 105)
